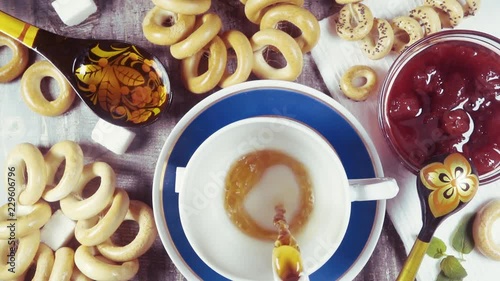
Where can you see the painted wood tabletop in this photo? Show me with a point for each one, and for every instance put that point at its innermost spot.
(120, 19)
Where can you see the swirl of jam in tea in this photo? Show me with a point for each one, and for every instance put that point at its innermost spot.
(447, 99)
(246, 173)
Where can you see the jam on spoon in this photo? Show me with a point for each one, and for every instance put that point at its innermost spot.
(287, 261)
(120, 82)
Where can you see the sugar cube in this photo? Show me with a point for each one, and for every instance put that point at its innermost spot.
(115, 138)
(73, 12)
(58, 231)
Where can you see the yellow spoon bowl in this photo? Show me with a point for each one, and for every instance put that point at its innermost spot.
(445, 185)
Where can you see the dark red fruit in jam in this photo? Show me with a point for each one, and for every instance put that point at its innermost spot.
(447, 99)
(488, 81)
(428, 81)
(452, 93)
(455, 122)
(493, 126)
(486, 158)
(405, 106)
(450, 145)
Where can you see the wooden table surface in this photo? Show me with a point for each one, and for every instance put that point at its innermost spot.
(122, 20)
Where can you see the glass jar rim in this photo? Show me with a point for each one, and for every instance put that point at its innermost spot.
(476, 37)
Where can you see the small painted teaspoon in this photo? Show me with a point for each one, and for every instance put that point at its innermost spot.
(120, 82)
(286, 259)
(445, 185)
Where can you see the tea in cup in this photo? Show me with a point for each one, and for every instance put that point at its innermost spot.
(230, 187)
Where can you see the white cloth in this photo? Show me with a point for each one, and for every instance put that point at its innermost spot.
(334, 56)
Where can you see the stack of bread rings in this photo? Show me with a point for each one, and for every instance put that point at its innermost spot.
(193, 33)
(98, 218)
(378, 37)
(31, 80)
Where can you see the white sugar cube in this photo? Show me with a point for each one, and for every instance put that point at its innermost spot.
(115, 138)
(58, 231)
(73, 12)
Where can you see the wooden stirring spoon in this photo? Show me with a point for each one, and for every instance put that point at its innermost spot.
(445, 185)
(286, 259)
(120, 82)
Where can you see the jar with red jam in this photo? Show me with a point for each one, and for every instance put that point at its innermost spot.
(442, 95)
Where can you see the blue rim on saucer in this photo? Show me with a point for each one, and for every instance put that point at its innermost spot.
(366, 217)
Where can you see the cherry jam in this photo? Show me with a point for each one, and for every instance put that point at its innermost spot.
(447, 99)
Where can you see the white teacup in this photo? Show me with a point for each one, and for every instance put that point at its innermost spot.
(232, 253)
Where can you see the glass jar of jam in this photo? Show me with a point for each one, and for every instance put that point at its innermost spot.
(442, 95)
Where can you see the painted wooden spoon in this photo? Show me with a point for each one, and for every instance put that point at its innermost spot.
(120, 82)
(286, 259)
(445, 185)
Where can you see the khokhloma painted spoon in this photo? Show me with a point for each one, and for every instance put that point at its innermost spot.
(286, 258)
(445, 185)
(120, 82)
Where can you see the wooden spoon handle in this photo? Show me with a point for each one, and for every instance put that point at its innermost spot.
(412, 263)
(18, 29)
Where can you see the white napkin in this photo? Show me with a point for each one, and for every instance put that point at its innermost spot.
(334, 56)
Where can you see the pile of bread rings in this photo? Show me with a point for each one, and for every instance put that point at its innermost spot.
(377, 37)
(194, 33)
(31, 80)
(98, 217)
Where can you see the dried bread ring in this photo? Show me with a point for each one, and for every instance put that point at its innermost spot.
(33, 96)
(405, 28)
(236, 40)
(96, 230)
(63, 265)
(208, 27)
(78, 275)
(255, 9)
(471, 7)
(155, 31)
(143, 215)
(444, 18)
(482, 229)
(76, 208)
(12, 69)
(452, 7)
(26, 157)
(39, 215)
(72, 154)
(98, 268)
(288, 48)
(358, 13)
(184, 7)
(358, 93)
(26, 251)
(428, 17)
(385, 38)
(217, 60)
(44, 260)
(300, 17)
